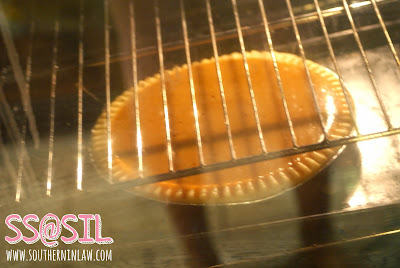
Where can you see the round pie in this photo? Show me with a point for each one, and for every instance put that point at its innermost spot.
(244, 183)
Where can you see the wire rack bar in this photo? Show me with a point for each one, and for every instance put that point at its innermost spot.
(253, 159)
(270, 258)
(276, 69)
(20, 170)
(108, 90)
(219, 76)
(191, 83)
(163, 87)
(303, 56)
(79, 170)
(367, 65)
(139, 144)
(247, 71)
(335, 63)
(54, 68)
(28, 75)
(385, 31)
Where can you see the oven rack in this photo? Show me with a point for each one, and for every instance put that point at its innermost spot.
(255, 28)
(17, 131)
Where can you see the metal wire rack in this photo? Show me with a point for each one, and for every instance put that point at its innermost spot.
(17, 130)
(64, 62)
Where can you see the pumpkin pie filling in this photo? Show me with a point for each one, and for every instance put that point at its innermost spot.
(239, 184)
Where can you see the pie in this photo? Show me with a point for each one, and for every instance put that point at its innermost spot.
(246, 183)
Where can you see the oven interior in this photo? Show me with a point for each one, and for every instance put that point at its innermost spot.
(62, 62)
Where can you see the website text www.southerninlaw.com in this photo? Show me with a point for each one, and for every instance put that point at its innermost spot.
(58, 255)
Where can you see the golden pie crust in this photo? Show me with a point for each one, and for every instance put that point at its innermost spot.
(246, 183)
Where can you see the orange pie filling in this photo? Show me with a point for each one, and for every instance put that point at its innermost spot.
(239, 184)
